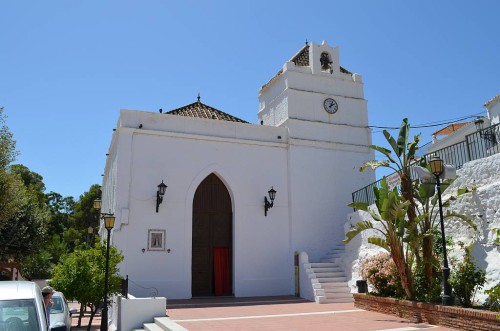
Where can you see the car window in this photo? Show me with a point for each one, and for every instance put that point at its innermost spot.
(58, 306)
(18, 314)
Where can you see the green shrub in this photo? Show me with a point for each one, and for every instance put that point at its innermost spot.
(496, 232)
(494, 298)
(381, 273)
(466, 279)
(424, 291)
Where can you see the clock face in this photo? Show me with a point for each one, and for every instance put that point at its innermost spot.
(330, 105)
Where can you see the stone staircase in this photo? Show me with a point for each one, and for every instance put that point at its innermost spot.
(328, 278)
(161, 324)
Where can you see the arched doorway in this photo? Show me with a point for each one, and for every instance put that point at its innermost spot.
(212, 240)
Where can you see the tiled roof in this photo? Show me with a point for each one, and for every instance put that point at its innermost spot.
(450, 129)
(200, 110)
(301, 59)
(492, 101)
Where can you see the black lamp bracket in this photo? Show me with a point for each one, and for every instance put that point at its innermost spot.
(267, 205)
(159, 200)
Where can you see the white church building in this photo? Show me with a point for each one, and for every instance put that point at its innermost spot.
(211, 233)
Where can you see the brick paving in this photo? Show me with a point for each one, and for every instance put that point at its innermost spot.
(96, 322)
(282, 313)
(273, 313)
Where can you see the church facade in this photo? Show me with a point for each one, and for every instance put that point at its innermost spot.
(217, 230)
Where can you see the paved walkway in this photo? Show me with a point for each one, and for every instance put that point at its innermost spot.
(282, 313)
(274, 313)
(96, 322)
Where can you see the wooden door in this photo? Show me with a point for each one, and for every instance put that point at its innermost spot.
(212, 230)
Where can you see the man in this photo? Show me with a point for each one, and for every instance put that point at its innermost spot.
(47, 292)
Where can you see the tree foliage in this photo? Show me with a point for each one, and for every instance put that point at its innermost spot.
(409, 237)
(24, 233)
(11, 188)
(394, 231)
(84, 213)
(81, 275)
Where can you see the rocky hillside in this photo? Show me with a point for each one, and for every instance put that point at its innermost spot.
(482, 206)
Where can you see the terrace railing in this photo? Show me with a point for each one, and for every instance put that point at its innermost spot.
(477, 145)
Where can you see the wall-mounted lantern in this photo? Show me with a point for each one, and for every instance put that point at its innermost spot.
(268, 204)
(159, 194)
(98, 204)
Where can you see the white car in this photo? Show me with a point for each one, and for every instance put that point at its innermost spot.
(60, 314)
(21, 307)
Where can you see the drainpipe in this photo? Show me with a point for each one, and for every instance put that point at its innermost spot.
(297, 280)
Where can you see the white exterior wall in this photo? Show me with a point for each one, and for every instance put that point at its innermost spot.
(494, 111)
(321, 185)
(262, 259)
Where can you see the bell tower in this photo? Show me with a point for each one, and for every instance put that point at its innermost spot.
(313, 89)
(323, 107)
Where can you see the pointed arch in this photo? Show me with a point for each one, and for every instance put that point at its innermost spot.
(212, 239)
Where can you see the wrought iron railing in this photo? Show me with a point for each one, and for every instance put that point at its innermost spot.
(477, 145)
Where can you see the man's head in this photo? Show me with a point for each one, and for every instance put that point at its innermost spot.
(47, 290)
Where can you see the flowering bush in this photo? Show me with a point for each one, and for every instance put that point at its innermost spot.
(466, 279)
(381, 273)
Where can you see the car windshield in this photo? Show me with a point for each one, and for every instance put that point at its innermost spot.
(18, 314)
(58, 306)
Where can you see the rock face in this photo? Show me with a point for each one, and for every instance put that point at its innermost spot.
(482, 206)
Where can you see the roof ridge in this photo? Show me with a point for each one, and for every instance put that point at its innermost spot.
(201, 110)
(491, 101)
(301, 53)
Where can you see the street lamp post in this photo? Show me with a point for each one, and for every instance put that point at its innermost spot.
(90, 232)
(109, 223)
(437, 169)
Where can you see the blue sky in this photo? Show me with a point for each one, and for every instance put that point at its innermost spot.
(68, 67)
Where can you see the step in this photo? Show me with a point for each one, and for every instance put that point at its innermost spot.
(331, 260)
(168, 325)
(331, 256)
(340, 291)
(336, 251)
(329, 280)
(319, 285)
(339, 254)
(322, 270)
(326, 300)
(337, 295)
(324, 265)
(327, 274)
(152, 327)
(337, 289)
